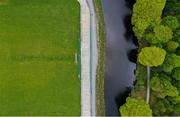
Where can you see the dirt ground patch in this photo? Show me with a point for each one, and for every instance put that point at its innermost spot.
(3, 2)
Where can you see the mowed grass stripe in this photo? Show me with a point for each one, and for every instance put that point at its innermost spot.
(26, 58)
(38, 73)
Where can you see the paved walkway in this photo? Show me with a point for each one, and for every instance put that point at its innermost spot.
(85, 59)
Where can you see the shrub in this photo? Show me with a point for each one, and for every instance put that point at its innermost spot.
(171, 61)
(135, 107)
(163, 87)
(172, 46)
(146, 13)
(151, 56)
(171, 22)
(176, 73)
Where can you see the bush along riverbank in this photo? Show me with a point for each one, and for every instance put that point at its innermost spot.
(100, 104)
(156, 24)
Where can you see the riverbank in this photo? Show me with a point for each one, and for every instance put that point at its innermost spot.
(100, 105)
(157, 77)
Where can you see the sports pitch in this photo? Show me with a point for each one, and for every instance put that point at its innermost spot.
(38, 43)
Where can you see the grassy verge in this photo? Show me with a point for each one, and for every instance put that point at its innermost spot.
(101, 62)
(38, 72)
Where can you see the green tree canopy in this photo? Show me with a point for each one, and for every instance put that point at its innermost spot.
(163, 87)
(163, 33)
(171, 61)
(159, 108)
(178, 51)
(171, 22)
(178, 18)
(160, 34)
(151, 56)
(135, 107)
(172, 46)
(172, 105)
(177, 35)
(167, 106)
(146, 13)
(176, 73)
(172, 7)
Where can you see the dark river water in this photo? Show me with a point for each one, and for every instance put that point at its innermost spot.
(119, 73)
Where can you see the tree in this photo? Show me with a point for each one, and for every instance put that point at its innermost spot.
(167, 106)
(159, 108)
(171, 61)
(135, 107)
(172, 7)
(163, 87)
(176, 73)
(151, 56)
(176, 84)
(172, 105)
(172, 46)
(178, 18)
(178, 51)
(171, 22)
(177, 35)
(146, 13)
(160, 34)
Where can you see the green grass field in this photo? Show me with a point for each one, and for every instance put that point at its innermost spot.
(38, 73)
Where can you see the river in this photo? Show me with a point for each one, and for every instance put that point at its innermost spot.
(119, 71)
